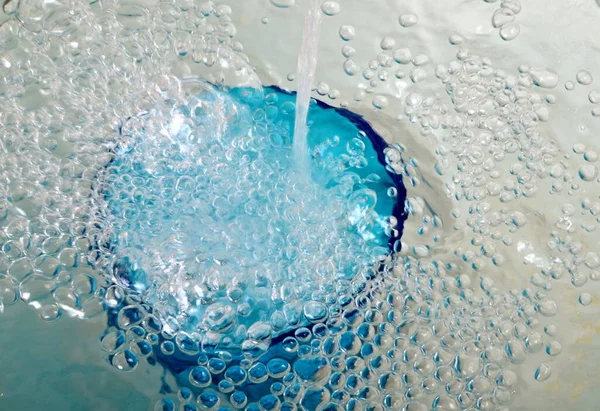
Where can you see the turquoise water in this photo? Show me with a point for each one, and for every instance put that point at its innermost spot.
(199, 223)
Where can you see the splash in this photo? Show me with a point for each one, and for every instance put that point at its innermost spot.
(307, 65)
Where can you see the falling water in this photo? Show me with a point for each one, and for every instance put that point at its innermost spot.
(307, 64)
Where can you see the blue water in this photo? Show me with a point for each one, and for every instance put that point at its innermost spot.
(162, 241)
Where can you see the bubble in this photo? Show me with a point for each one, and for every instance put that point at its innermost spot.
(590, 156)
(283, 3)
(330, 8)
(544, 77)
(594, 97)
(403, 56)
(585, 299)
(584, 77)
(510, 31)
(125, 361)
(408, 20)
(543, 372)
(547, 308)
(553, 348)
(456, 39)
(347, 32)
(588, 172)
(350, 67)
(387, 43)
(380, 102)
(315, 311)
(502, 16)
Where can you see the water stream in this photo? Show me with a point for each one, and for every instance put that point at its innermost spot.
(307, 65)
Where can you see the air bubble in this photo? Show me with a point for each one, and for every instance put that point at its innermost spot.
(347, 32)
(330, 8)
(380, 102)
(594, 97)
(350, 67)
(387, 43)
(408, 20)
(510, 31)
(544, 77)
(584, 77)
(283, 3)
(585, 299)
(543, 372)
(588, 172)
(502, 16)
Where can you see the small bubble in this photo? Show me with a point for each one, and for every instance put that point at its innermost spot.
(387, 43)
(330, 8)
(594, 97)
(590, 156)
(403, 56)
(547, 308)
(584, 77)
(417, 75)
(553, 348)
(502, 16)
(585, 299)
(347, 32)
(323, 88)
(543, 372)
(510, 31)
(283, 3)
(596, 112)
(408, 20)
(380, 102)
(264, 20)
(291, 77)
(421, 60)
(348, 51)
(456, 39)
(544, 77)
(350, 67)
(588, 172)
(569, 85)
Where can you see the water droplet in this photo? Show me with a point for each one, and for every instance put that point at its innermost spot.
(408, 20)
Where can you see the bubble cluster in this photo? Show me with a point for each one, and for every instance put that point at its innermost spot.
(146, 174)
(206, 218)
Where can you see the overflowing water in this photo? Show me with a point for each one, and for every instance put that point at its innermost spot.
(150, 189)
(307, 66)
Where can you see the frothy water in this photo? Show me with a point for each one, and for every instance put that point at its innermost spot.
(150, 183)
(306, 68)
